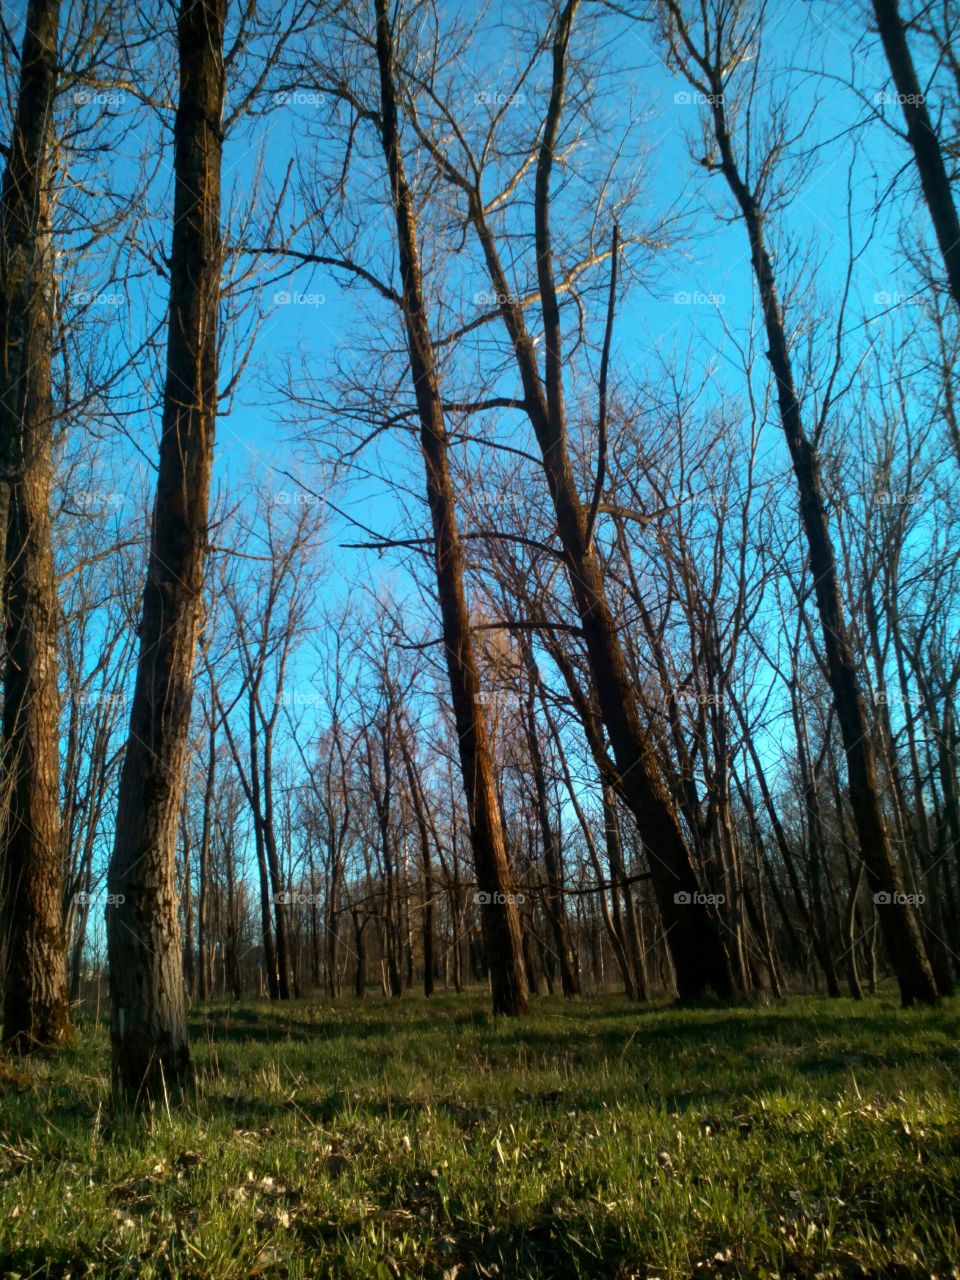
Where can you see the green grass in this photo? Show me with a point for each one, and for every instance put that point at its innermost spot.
(377, 1139)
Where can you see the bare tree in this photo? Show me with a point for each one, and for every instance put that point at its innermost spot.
(710, 64)
(35, 1000)
(147, 1011)
(500, 919)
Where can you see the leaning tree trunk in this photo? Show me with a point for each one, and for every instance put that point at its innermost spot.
(923, 139)
(898, 919)
(36, 1011)
(692, 928)
(147, 1016)
(501, 921)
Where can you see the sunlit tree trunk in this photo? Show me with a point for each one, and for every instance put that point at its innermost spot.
(35, 1010)
(501, 921)
(147, 1018)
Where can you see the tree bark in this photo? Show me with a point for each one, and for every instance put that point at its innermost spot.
(923, 139)
(35, 1012)
(147, 1020)
(501, 921)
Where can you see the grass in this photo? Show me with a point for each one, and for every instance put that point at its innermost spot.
(376, 1139)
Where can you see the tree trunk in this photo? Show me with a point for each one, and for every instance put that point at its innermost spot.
(148, 1023)
(203, 988)
(692, 928)
(922, 137)
(36, 1012)
(501, 921)
(898, 919)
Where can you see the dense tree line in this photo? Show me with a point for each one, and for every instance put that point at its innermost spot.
(643, 669)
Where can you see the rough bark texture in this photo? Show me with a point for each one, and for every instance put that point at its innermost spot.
(36, 1012)
(147, 1015)
(922, 138)
(501, 922)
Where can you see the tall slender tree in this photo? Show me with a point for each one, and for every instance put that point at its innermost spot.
(501, 921)
(710, 60)
(147, 1004)
(35, 1011)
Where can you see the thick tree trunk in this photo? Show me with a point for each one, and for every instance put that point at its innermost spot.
(35, 1012)
(501, 921)
(922, 137)
(148, 1023)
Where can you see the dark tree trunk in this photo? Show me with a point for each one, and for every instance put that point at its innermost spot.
(553, 897)
(501, 921)
(203, 959)
(692, 927)
(148, 1023)
(898, 919)
(426, 862)
(189, 964)
(35, 1011)
(922, 137)
(359, 946)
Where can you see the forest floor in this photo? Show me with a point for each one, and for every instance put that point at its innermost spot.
(377, 1139)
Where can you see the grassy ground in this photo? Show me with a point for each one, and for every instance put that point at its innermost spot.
(382, 1140)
